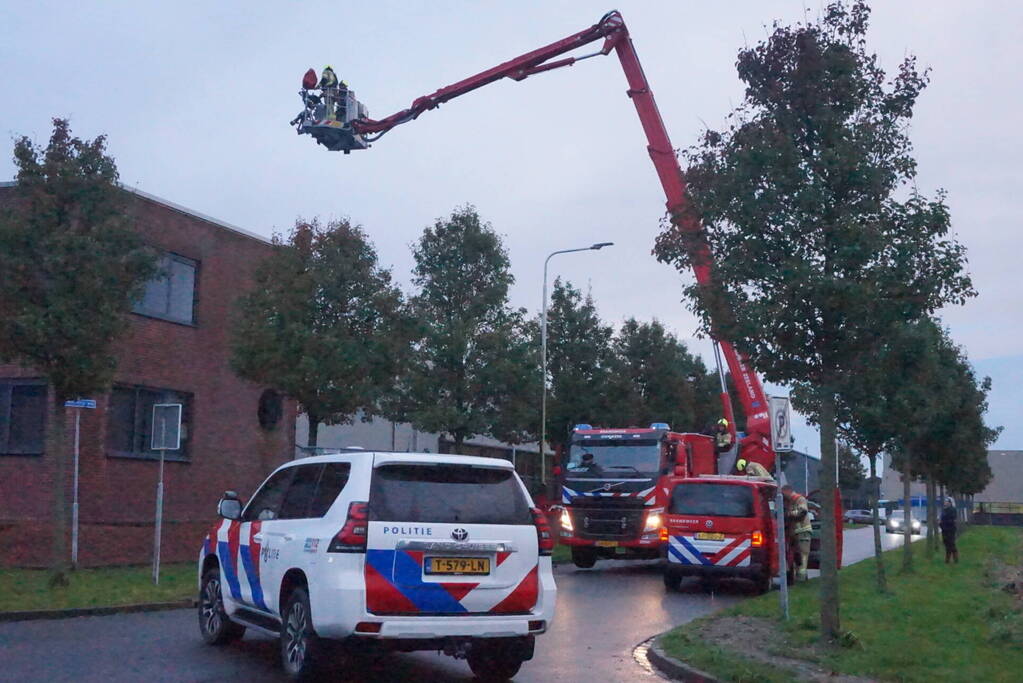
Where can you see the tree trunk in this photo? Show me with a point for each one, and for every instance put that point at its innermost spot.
(459, 440)
(56, 450)
(314, 428)
(829, 610)
(907, 530)
(932, 513)
(930, 529)
(882, 580)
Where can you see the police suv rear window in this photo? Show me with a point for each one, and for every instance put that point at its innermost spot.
(447, 494)
(712, 500)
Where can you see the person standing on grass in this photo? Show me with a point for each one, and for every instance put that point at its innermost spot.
(948, 531)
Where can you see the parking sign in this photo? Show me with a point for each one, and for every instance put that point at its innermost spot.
(781, 423)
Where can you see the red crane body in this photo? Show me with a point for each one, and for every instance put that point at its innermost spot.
(756, 446)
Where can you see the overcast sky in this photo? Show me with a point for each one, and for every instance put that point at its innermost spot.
(196, 97)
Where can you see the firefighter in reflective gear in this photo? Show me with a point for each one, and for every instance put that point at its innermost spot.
(797, 526)
(752, 469)
(329, 88)
(722, 437)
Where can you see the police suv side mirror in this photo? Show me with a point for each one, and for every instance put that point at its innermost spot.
(230, 507)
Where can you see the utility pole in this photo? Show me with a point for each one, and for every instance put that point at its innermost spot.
(543, 355)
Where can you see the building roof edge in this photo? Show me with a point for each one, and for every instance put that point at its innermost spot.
(177, 207)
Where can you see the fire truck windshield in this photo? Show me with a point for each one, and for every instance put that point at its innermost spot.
(614, 459)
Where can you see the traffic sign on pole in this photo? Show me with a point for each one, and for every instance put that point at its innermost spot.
(76, 403)
(166, 436)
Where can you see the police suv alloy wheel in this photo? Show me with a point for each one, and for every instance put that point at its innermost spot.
(215, 627)
(299, 643)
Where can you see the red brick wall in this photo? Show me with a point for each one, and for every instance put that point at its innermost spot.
(228, 449)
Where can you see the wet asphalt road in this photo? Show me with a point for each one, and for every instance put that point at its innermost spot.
(602, 615)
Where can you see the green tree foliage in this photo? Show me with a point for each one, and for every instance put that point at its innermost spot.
(323, 324)
(821, 240)
(70, 266)
(580, 358)
(473, 368)
(654, 378)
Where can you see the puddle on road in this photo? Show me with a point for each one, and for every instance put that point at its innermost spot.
(639, 655)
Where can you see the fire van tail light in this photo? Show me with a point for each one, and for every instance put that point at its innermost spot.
(758, 539)
(664, 534)
(544, 538)
(352, 537)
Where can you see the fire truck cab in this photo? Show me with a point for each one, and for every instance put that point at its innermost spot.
(615, 485)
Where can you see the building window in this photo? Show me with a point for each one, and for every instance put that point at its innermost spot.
(22, 417)
(171, 294)
(271, 408)
(130, 420)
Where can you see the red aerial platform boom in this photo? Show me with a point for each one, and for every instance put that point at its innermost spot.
(756, 446)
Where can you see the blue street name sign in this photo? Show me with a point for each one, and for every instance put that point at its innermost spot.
(80, 403)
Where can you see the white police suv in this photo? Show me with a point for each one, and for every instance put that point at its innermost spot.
(411, 551)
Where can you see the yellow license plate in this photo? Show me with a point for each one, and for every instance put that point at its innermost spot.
(458, 565)
(607, 544)
(707, 536)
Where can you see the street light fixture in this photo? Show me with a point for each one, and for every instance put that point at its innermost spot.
(543, 353)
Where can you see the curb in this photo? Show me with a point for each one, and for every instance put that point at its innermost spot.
(37, 614)
(675, 669)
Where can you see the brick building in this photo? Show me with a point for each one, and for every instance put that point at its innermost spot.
(176, 351)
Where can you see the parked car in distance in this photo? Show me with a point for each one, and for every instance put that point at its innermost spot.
(895, 522)
(858, 517)
(384, 551)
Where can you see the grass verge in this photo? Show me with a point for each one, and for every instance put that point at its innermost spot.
(943, 622)
(28, 589)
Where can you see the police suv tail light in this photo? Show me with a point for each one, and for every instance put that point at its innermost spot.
(758, 539)
(352, 537)
(544, 538)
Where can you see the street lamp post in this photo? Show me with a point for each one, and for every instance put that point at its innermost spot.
(543, 354)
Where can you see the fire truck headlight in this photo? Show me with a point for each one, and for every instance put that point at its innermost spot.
(653, 522)
(566, 520)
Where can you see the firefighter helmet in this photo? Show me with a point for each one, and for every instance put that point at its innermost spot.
(740, 465)
(723, 422)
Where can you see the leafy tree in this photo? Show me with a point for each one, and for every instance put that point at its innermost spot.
(821, 240)
(952, 448)
(70, 267)
(323, 323)
(580, 359)
(655, 379)
(473, 368)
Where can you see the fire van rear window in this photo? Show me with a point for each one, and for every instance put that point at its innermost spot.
(447, 494)
(712, 500)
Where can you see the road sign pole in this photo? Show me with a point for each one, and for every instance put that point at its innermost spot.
(159, 510)
(74, 494)
(783, 582)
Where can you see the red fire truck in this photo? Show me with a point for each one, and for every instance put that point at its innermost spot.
(615, 485)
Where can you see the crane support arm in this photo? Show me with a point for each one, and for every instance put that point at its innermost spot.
(612, 30)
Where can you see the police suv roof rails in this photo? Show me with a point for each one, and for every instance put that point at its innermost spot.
(581, 427)
(660, 425)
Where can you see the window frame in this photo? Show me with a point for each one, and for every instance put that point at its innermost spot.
(183, 454)
(195, 264)
(6, 395)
